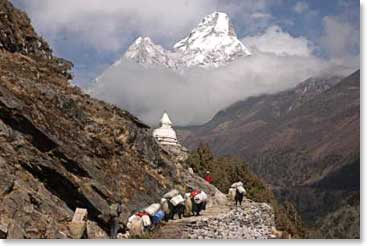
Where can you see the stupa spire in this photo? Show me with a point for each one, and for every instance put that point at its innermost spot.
(165, 120)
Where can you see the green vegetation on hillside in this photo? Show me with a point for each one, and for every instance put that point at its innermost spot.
(227, 170)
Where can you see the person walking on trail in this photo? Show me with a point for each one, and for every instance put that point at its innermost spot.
(115, 211)
(208, 178)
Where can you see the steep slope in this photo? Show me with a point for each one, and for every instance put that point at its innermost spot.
(307, 121)
(293, 139)
(212, 43)
(61, 149)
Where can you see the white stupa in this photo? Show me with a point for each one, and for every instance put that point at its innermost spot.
(165, 134)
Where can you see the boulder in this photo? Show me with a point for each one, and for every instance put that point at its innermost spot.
(3, 232)
(80, 215)
(77, 229)
(95, 232)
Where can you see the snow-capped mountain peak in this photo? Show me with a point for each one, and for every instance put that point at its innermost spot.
(211, 44)
(214, 24)
(144, 51)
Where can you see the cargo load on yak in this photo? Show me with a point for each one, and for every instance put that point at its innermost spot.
(237, 184)
(231, 193)
(132, 217)
(135, 218)
(171, 194)
(152, 209)
(195, 193)
(239, 187)
(146, 220)
(141, 213)
(201, 197)
(132, 220)
(178, 199)
(158, 217)
(136, 226)
(241, 190)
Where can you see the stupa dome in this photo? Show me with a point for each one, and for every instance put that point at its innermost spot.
(165, 134)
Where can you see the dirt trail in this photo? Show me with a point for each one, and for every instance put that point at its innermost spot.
(252, 220)
(177, 229)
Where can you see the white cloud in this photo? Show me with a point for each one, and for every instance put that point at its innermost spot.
(275, 40)
(111, 25)
(301, 7)
(340, 40)
(195, 96)
(106, 24)
(280, 61)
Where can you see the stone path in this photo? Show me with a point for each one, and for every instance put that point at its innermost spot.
(250, 221)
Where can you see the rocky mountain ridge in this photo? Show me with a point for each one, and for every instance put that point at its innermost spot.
(268, 111)
(295, 140)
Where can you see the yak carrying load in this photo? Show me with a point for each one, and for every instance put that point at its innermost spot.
(237, 192)
(172, 203)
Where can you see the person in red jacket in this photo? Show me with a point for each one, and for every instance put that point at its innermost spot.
(208, 178)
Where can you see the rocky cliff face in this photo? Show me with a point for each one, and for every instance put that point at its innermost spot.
(61, 149)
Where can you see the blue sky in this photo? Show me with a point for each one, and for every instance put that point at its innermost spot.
(95, 33)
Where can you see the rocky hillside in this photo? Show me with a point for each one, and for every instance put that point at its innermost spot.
(60, 149)
(293, 139)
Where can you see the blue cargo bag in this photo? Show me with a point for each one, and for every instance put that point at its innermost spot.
(158, 217)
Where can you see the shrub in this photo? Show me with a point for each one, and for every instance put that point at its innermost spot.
(226, 170)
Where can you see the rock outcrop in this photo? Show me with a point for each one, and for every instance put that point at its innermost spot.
(18, 36)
